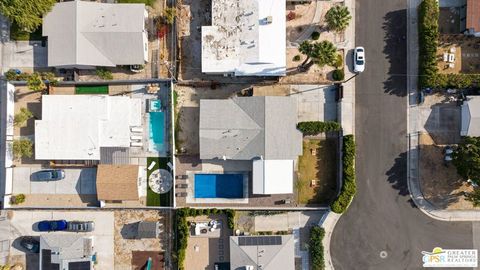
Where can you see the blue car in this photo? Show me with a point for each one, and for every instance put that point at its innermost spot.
(52, 225)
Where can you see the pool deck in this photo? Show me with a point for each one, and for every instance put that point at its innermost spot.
(189, 164)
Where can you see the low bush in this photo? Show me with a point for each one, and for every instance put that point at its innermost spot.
(22, 148)
(104, 73)
(315, 247)
(457, 81)
(349, 187)
(315, 35)
(35, 82)
(21, 117)
(17, 199)
(339, 62)
(296, 58)
(317, 127)
(338, 75)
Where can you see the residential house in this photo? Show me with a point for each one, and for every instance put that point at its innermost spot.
(471, 117)
(66, 252)
(77, 127)
(118, 184)
(85, 34)
(260, 129)
(246, 38)
(262, 252)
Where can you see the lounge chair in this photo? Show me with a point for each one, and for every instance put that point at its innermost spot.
(136, 144)
(136, 129)
(151, 165)
(181, 194)
(136, 137)
(181, 185)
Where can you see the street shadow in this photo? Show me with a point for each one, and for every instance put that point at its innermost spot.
(395, 50)
(397, 175)
(130, 230)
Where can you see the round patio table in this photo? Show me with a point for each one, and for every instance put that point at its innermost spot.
(160, 181)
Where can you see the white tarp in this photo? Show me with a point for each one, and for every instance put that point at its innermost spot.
(10, 108)
(273, 176)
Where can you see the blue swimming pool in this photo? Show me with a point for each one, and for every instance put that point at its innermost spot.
(218, 185)
(157, 128)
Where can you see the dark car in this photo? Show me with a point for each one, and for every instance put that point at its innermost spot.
(80, 226)
(52, 225)
(49, 175)
(31, 244)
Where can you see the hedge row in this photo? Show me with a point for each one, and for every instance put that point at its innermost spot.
(316, 127)
(183, 230)
(428, 12)
(457, 81)
(316, 248)
(349, 187)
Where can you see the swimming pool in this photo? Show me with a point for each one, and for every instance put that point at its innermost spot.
(218, 185)
(157, 128)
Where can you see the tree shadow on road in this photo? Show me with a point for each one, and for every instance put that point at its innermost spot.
(395, 49)
(397, 177)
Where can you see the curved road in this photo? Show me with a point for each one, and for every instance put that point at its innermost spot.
(382, 217)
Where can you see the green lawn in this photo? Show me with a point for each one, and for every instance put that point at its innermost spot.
(321, 166)
(92, 89)
(17, 34)
(154, 199)
(146, 2)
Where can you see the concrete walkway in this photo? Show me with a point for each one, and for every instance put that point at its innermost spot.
(328, 224)
(413, 130)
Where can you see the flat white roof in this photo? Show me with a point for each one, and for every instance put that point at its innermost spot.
(74, 127)
(247, 38)
(272, 176)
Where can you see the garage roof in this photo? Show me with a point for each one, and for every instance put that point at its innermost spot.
(117, 182)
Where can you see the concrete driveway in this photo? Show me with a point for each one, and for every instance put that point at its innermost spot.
(21, 224)
(24, 55)
(77, 181)
(315, 102)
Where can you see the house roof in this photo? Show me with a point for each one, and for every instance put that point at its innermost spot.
(262, 251)
(74, 127)
(117, 182)
(272, 176)
(95, 34)
(471, 117)
(240, 39)
(65, 251)
(243, 128)
(473, 15)
(148, 229)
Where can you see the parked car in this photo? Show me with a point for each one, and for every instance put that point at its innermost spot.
(31, 244)
(359, 59)
(80, 226)
(49, 175)
(52, 225)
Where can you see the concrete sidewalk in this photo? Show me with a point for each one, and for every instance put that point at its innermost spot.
(414, 128)
(328, 225)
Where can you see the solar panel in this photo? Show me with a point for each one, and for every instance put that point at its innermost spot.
(47, 261)
(259, 240)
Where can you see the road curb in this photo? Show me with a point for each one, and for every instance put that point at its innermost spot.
(328, 225)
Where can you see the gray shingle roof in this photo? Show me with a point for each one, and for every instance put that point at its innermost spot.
(244, 128)
(95, 34)
(269, 257)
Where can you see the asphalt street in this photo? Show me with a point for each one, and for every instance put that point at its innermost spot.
(382, 228)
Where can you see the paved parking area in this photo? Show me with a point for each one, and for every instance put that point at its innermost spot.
(25, 55)
(22, 224)
(315, 102)
(77, 181)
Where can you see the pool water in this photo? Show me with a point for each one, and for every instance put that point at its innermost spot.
(218, 185)
(157, 127)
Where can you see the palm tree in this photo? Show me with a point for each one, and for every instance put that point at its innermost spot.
(338, 18)
(320, 53)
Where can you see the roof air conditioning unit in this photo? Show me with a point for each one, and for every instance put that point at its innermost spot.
(268, 19)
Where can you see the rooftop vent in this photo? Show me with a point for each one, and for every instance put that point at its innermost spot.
(268, 20)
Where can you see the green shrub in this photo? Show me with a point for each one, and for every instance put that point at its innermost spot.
(338, 75)
(315, 248)
(104, 73)
(316, 127)
(35, 82)
(339, 62)
(428, 13)
(22, 148)
(458, 81)
(17, 199)
(296, 58)
(11, 75)
(21, 117)
(169, 14)
(349, 187)
(315, 35)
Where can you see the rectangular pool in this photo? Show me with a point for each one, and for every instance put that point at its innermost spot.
(157, 128)
(218, 185)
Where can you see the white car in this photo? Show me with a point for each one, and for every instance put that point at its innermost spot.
(359, 59)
